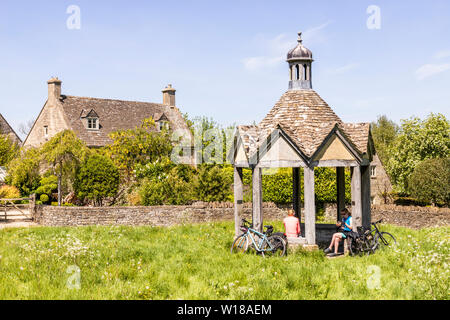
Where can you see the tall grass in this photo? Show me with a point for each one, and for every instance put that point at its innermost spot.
(194, 262)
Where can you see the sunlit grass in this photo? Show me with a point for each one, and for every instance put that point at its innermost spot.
(194, 262)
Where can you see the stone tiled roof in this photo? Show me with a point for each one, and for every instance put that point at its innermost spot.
(114, 115)
(307, 119)
(250, 136)
(358, 134)
(306, 115)
(6, 129)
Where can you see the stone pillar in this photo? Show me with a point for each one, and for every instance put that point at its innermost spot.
(296, 192)
(257, 214)
(310, 207)
(340, 183)
(365, 196)
(356, 197)
(238, 199)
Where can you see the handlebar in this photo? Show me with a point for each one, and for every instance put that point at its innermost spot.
(377, 222)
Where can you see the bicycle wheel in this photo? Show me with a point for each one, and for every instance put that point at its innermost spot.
(385, 239)
(352, 247)
(273, 246)
(240, 244)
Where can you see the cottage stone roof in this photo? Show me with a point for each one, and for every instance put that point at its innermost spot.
(307, 119)
(114, 115)
(6, 129)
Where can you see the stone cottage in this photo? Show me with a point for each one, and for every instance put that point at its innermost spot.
(6, 129)
(380, 184)
(93, 119)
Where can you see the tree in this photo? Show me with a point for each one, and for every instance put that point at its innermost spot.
(25, 127)
(430, 181)
(8, 150)
(96, 178)
(23, 171)
(384, 132)
(417, 141)
(138, 146)
(63, 153)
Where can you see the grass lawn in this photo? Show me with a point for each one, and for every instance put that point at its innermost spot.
(194, 262)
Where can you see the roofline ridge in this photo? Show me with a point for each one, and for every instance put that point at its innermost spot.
(107, 99)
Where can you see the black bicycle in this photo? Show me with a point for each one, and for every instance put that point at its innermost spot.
(381, 238)
(368, 240)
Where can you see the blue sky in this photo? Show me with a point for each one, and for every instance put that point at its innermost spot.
(227, 58)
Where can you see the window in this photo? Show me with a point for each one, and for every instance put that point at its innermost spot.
(46, 131)
(373, 171)
(163, 125)
(92, 123)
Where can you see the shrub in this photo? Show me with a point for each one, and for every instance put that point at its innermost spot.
(44, 198)
(96, 179)
(48, 186)
(213, 184)
(430, 181)
(167, 188)
(277, 186)
(9, 192)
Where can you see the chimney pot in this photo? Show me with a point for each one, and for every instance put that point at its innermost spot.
(54, 89)
(169, 96)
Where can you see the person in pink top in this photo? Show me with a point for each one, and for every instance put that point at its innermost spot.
(291, 225)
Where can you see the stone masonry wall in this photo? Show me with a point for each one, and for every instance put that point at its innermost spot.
(154, 216)
(413, 217)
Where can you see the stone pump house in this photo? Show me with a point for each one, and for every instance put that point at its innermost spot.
(302, 132)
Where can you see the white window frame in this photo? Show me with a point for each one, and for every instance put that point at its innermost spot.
(373, 171)
(92, 123)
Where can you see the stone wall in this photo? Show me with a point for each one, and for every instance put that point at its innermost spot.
(154, 216)
(413, 217)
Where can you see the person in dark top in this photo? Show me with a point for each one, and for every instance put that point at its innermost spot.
(345, 226)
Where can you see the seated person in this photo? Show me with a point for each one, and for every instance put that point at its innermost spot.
(291, 225)
(345, 226)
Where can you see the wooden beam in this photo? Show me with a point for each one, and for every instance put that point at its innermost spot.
(340, 183)
(296, 192)
(356, 197)
(257, 199)
(365, 196)
(238, 200)
(335, 163)
(310, 207)
(281, 164)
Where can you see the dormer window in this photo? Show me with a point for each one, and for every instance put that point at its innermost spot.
(90, 119)
(163, 125)
(92, 123)
(162, 122)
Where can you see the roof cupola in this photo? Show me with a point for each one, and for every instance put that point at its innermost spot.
(300, 60)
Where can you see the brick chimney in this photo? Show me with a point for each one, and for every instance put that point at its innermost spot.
(54, 90)
(169, 96)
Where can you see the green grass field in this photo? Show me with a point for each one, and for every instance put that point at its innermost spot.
(194, 262)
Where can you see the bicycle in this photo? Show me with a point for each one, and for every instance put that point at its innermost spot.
(264, 243)
(367, 240)
(381, 237)
(361, 242)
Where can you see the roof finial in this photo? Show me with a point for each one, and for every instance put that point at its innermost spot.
(300, 37)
